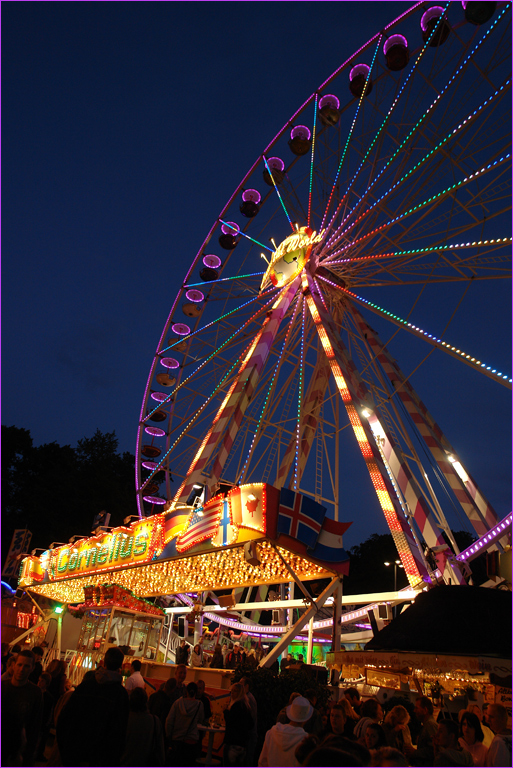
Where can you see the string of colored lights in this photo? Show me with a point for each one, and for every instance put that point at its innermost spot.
(239, 232)
(278, 193)
(382, 126)
(312, 161)
(271, 385)
(224, 279)
(218, 349)
(400, 148)
(360, 101)
(191, 422)
(430, 338)
(299, 397)
(420, 205)
(413, 251)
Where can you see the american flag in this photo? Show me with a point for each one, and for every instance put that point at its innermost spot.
(203, 524)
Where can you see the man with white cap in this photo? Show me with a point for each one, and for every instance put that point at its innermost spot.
(281, 741)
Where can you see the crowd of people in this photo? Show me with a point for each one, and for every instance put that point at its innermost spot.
(111, 722)
(222, 656)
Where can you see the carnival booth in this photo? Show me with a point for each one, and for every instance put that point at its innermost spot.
(252, 535)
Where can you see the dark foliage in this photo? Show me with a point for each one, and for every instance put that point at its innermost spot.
(55, 491)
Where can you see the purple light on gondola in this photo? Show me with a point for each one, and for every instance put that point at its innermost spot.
(359, 69)
(464, 4)
(195, 295)
(181, 330)
(150, 464)
(251, 195)
(230, 228)
(154, 500)
(432, 13)
(154, 431)
(300, 132)
(329, 101)
(275, 164)
(158, 396)
(395, 40)
(211, 260)
(170, 362)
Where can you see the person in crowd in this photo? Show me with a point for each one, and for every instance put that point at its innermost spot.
(57, 669)
(282, 714)
(370, 712)
(217, 658)
(9, 668)
(95, 717)
(239, 724)
(235, 657)
(48, 704)
(196, 657)
(136, 680)
(205, 700)
(329, 756)
(488, 734)
(287, 661)
(251, 659)
(144, 741)
(160, 702)
(389, 756)
(38, 667)
(375, 737)
(499, 752)
(182, 653)
(180, 689)
(396, 728)
(447, 749)
(424, 754)
(182, 727)
(282, 739)
(337, 720)
(314, 725)
(22, 712)
(252, 736)
(471, 737)
(358, 751)
(351, 717)
(353, 696)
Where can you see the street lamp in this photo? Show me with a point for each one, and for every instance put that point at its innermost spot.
(396, 564)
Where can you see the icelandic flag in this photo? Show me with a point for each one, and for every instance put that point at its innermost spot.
(300, 517)
(329, 543)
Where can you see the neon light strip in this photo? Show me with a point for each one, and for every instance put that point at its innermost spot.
(485, 541)
(239, 232)
(426, 157)
(429, 200)
(299, 398)
(429, 249)
(278, 193)
(291, 323)
(419, 332)
(410, 74)
(351, 131)
(311, 162)
(223, 279)
(215, 352)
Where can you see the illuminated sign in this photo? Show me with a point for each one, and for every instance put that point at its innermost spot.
(291, 256)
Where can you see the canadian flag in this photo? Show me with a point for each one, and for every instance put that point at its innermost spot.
(247, 506)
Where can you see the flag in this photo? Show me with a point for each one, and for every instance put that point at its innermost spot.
(175, 521)
(203, 524)
(226, 533)
(329, 545)
(247, 506)
(300, 517)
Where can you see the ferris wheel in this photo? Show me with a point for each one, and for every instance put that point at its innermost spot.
(385, 198)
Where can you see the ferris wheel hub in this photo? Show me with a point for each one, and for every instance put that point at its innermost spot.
(290, 257)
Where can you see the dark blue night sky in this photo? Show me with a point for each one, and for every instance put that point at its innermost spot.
(126, 127)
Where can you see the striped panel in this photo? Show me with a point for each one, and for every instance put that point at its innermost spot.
(479, 512)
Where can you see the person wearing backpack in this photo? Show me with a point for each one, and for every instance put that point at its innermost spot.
(182, 727)
(91, 728)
